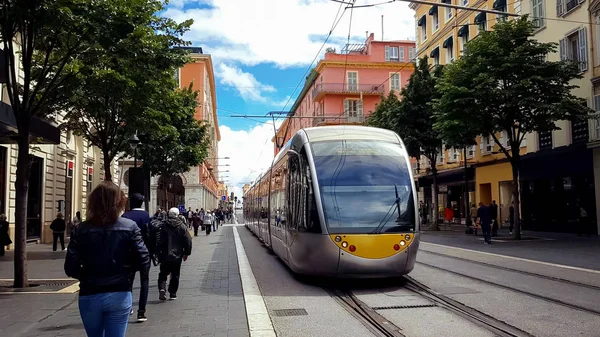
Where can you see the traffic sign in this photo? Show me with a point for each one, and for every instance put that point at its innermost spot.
(224, 198)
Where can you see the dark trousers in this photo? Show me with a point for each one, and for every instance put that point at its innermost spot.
(196, 230)
(2, 250)
(216, 224)
(512, 224)
(144, 288)
(486, 228)
(56, 237)
(174, 269)
(494, 227)
(207, 228)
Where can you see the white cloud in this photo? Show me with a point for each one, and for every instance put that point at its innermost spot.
(285, 32)
(282, 103)
(245, 83)
(250, 153)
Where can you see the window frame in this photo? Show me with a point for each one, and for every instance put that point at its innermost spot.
(392, 75)
(348, 88)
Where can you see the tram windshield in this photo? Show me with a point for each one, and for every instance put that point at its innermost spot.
(358, 180)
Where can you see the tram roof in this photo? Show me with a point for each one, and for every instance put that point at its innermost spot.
(345, 132)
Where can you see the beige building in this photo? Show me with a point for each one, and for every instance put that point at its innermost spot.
(556, 170)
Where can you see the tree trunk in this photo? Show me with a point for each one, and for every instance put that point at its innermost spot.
(515, 178)
(436, 209)
(21, 189)
(107, 165)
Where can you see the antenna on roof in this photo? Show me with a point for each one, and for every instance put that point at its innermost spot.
(382, 28)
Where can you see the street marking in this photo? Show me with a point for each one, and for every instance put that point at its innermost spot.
(593, 271)
(259, 321)
(73, 288)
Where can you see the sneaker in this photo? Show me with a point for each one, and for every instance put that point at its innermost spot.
(131, 313)
(162, 295)
(173, 297)
(142, 317)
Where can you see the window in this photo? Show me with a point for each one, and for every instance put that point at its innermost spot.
(90, 179)
(596, 134)
(401, 49)
(597, 22)
(545, 140)
(352, 81)
(574, 47)
(391, 53)
(452, 155)
(435, 55)
(449, 46)
(411, 53)
(537, 13)
(435, 21)
(465, 2)
(463, 37)
(471, 152)
(440, 156)
(423, 24)
(565, 6)
(481, 21)
(177, 76)
(353, 110)
(448, 15)
(504, 140)
(486, 145)
(395, 82)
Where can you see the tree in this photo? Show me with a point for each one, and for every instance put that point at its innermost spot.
(120, 91)
(177, 141)
(385, 110)
(44, 42)
(504, 83)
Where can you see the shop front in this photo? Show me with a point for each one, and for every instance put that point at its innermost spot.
(451, 185)
(555, 185)
(494, 183)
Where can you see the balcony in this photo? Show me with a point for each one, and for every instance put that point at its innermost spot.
(323, 89)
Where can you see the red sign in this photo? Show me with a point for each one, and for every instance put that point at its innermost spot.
(90, 170)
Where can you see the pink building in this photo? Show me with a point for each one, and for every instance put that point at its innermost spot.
(345, 88)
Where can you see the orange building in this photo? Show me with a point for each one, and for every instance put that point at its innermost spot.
(345, 87)
(197, 188)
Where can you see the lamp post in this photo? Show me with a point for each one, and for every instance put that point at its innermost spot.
(134, 141)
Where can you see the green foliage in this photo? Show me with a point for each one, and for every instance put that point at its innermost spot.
(385, 112)
(123, 83)
(416, 115)
(504, 82)
(175, 140)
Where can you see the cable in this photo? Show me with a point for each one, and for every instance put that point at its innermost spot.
(336, 21)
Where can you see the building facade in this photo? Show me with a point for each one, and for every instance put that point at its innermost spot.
(197, 188)
(64, 168)
(556, 170)
(345, 87)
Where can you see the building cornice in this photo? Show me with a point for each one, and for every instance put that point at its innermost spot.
(365, 65)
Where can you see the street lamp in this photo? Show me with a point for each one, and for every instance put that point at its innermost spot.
(134, 141)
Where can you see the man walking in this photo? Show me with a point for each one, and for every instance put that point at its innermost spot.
(485, 218)
(175, 247)
(142, 219)
(494, 215)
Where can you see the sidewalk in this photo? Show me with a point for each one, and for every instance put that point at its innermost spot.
(210, 298)
(557, 248)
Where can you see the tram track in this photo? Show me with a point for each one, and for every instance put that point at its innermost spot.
(523, 272)
(525, 292)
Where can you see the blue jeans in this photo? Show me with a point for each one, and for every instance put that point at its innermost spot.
(106, 314)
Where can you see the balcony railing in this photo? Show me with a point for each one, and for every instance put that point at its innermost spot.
(347, 88)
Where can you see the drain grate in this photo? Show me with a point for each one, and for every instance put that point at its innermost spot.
(290, 312)
(410, 306)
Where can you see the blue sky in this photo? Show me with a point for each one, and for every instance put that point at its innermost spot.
(261, 50)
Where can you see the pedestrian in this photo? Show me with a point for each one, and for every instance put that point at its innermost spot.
(511, 217)
(190, 217)
(494, 215)
(208, 222)
(176, 246)
(196, 223)
(4, 237)
(485, 219)
(58, 227)
(142, 220)
(473, 213)
(103, 253)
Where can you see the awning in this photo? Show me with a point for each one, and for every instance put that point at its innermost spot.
(433, 10)
(447, 2)
(41, 131)
(448, 42)
(421, 21)
(435, 52)
(499, 4)
(463, 31)
(480, 18)
(449, 177)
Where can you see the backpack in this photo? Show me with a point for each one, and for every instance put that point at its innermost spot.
(154, 238)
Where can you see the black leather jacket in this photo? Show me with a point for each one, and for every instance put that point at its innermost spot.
(103, 258)
(176, 241)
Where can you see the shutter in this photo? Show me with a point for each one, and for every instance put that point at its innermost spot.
(387, 53)
(359, 108)
(482, 144)
(562, 47)
(559, 7)
(597, 103)
(583, 62)
(524, 141)
(346, 107)
(503, 138)
(401, 53)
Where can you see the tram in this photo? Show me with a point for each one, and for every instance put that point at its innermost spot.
(338, 201)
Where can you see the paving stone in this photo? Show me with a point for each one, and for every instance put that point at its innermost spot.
(210, 300)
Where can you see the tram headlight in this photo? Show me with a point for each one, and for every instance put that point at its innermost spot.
(344, 244)
(402, 243)
(407, 237)
(338, 238)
